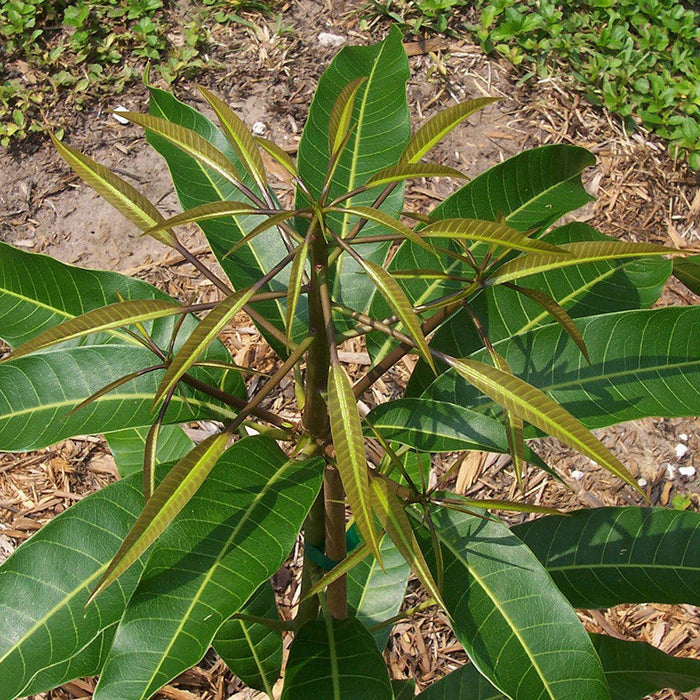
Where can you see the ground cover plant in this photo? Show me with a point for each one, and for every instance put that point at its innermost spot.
(639, 60)
(53, 52)
(522, 328)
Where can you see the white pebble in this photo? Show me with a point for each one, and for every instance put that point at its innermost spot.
(259, 128)
(251, 431)
(681, 449)
(683, 436)
(670, 471)
(642, 482)
(332, 40)
(119, 119)
(686, 471)
(577, 474)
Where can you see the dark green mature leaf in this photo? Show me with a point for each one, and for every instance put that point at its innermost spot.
(404, 689)
(583, 290)
(466, 683)
(39, 391)
(335, 660)
(516, 626)
(530, 191)
(127, 447)
(687, 270)
(38, 292)
(643, 363)
(251, 650)
(634, 670)
(607, 556)
(44, 586)
(196, 185)
(233, 535)
(375, 595)
(382, 129)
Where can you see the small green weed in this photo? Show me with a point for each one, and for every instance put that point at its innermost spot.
(55, 51)
(638, 58)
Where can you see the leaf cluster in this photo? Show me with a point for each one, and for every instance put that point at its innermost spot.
(519, 328)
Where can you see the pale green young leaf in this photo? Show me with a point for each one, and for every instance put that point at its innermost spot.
(492, 232)
(205, 212)
(278, 154)
(200, 339)
(394, 520)
(353, 558)
(410, 171)
(380, 217)
(189, 142)
(119, 193)
(439, 126)
(397, 300)
(348, 440)
(239, 137)
(122, 313)
(296, 281)
(171, 496)
(341, 114)
(535, 407)
(558, 313)
(581, 252)
(263, 226)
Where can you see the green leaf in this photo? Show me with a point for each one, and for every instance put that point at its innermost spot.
(397, 300)
(535, 407)
(127, 447)
(375, 595)
(491, 232)
(382, 126)
(119, 193)
(593, 251)
(531, 190)
(201, 338)
(38, 292)
(390, 512)
(411, 171)
(251, 650)
(601, 557)
(516, 626)
(642, 363)
(46, 635)
(583, 290)
(340, 118)
(687, 270)
(335, 660)
(233, 535)
(634, 670)
(239, 137)
(438, 426)
(466, 683)
(350, 453)
(439, 126)
(119, 314)
(39, 392)
(212, 210)
(278, 154)
(196, 184)
(404, 689)
(171, 496)
(296, 282)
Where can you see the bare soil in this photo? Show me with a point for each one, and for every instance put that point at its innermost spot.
(641, 195)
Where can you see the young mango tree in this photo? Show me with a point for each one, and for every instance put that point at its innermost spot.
(521, 329)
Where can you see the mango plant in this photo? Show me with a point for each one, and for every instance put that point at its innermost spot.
(521, 328)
